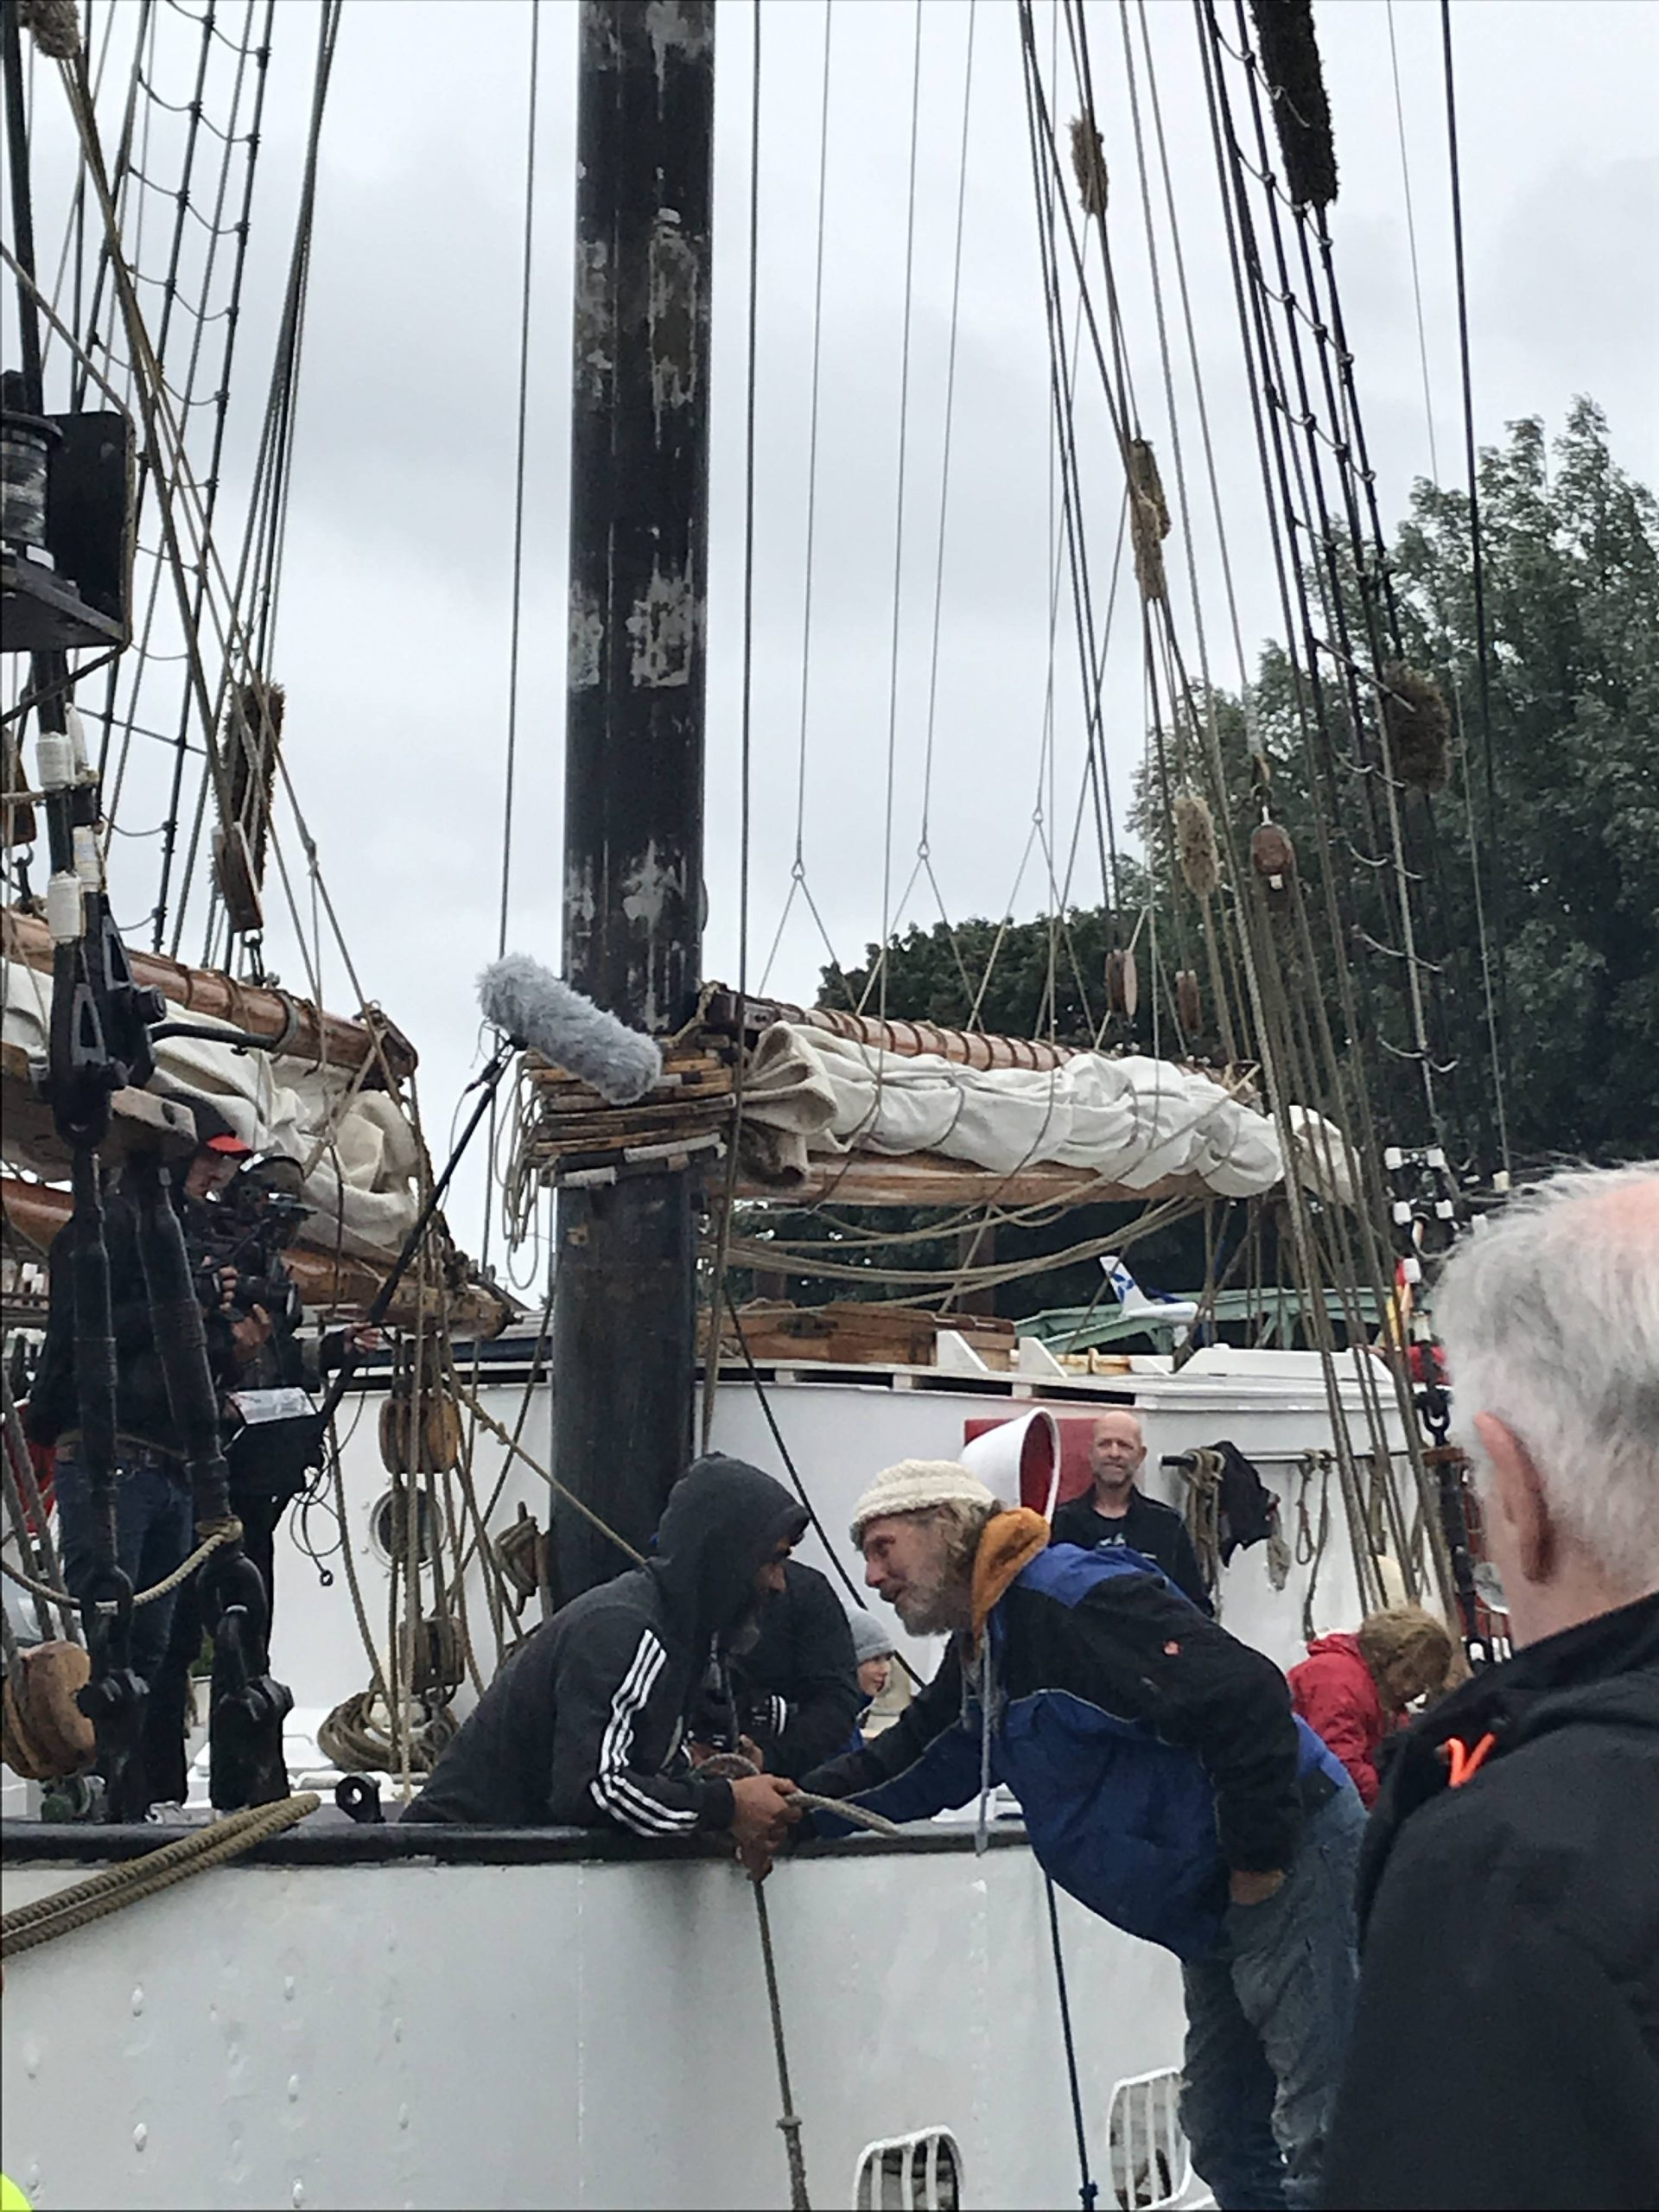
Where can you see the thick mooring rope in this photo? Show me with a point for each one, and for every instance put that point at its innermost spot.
(102, 1894)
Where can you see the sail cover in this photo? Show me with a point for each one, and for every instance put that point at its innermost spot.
(1129, 1119)
(356, 1146)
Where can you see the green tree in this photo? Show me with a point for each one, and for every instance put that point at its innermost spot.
(1568, 844)
(1572, 571)
(1566, 833)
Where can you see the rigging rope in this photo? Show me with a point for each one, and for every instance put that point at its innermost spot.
(798, 882)
(1499, 1022)
(878, 975)
(526, 290)
(723, 1223)
(1255, 942)
(516, 619)
(1087, 2188)
(789, 2121)
(164, 1588)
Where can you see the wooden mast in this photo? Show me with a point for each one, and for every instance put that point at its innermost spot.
(623, 1328)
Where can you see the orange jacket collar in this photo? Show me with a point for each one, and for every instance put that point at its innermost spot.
(1010, 1542)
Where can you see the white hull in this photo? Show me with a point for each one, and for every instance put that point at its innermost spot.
(587, 2030)
(593, 2035)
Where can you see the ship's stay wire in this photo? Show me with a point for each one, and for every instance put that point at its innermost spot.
(1498, 1021)
(515, 625)
(799, 885)
(746, 731)
(878, 976)
(526, 295)
(1476, 871)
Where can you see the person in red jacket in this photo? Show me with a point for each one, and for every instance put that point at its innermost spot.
(1353, 1690)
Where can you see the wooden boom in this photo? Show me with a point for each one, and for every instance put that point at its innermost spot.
(335, 1284)
(293, 1026)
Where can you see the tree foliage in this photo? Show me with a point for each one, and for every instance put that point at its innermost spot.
(1568, 847)
(1572, 572)
(1566, 833)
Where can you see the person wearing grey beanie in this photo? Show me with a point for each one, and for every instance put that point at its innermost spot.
(871, 1640)
(873, 1647)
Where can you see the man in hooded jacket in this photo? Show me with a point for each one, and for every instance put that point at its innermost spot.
(585, 1724)
(795, 1693)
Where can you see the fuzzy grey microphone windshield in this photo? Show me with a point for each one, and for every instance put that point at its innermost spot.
(535, 1008)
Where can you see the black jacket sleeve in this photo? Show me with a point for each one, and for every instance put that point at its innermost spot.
(135, 1330)
(1137, 1650)
(613, 1679)
(1183, 1571)
(798, 1691)
(1493, 2061)
(50, 1406)
(935, 1707)
(53, 1405)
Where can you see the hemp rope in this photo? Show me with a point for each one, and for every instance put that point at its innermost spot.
(94, 1899)
(790, 2123)
(165, 1588)
(858, 1815)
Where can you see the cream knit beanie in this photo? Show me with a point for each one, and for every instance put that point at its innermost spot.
(916, 1486)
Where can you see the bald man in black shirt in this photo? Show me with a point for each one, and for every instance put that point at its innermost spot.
(1117, 1511)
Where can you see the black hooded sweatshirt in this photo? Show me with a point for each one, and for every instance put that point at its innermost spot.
(583, 1724)
(1506, 2047)
(796, 1690)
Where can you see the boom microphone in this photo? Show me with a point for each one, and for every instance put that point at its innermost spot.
(537, 1009)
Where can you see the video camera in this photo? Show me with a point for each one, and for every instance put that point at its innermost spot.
(273, 1436)
(248, 1228)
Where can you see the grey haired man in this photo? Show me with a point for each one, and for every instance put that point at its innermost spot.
(1506, 2048)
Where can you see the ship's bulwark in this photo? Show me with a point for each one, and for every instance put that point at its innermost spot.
(350, 2023)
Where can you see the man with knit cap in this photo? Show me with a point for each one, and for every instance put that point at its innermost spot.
(1165, 1782)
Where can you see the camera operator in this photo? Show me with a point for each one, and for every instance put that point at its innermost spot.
(155, 1528)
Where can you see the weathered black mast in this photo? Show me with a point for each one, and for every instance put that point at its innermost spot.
(624, 1312)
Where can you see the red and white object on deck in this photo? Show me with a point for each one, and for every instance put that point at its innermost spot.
(1019, 1459)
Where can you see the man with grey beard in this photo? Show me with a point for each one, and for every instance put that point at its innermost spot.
(1506, 2049)
(1165, 1783)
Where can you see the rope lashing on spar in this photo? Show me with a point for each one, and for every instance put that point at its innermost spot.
(60, 1913)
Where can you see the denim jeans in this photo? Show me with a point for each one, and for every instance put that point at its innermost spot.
(165, 1713)
(1268, 2013)
(154, 1527)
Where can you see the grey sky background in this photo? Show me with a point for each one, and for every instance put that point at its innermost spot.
(396, 606)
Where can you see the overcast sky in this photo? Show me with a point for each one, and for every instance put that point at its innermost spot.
(394, 625)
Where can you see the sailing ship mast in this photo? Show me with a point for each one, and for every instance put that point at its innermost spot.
(623, 1326)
